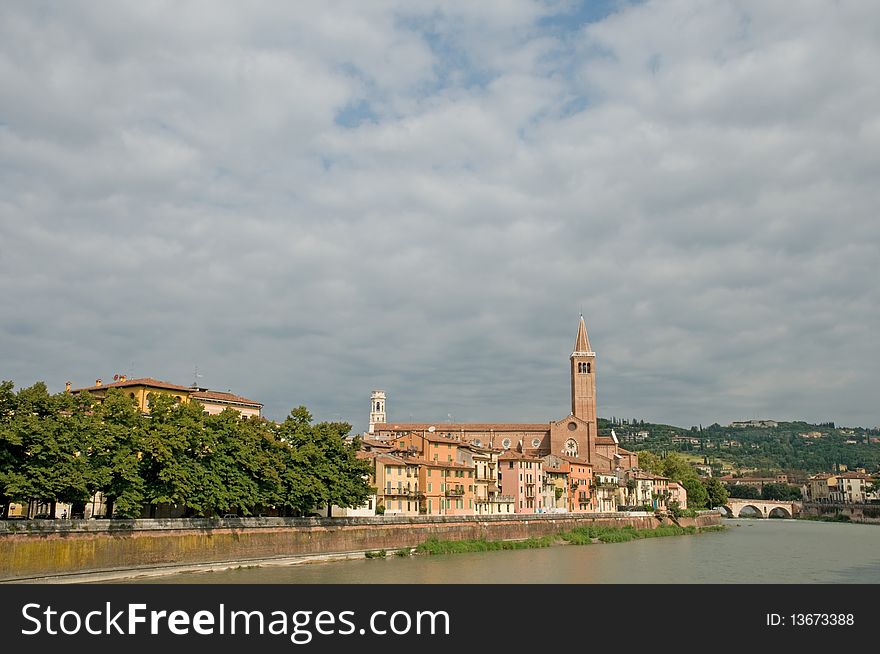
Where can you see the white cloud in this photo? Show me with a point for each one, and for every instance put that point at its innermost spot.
(699, 179)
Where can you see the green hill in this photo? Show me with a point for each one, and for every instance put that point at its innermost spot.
(785, 446)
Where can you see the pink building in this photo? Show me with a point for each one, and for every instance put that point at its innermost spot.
(521, 477)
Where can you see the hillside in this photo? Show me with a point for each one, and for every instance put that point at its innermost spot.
(782, 446)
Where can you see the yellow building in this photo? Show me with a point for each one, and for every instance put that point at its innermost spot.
(141, 390)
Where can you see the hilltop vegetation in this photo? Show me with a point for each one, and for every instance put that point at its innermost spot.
(787, 446)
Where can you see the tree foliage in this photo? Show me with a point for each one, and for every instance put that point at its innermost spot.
(716, 492)
(65, 448)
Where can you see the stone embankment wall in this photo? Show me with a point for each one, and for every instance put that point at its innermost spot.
(40, 548)
(855, 512)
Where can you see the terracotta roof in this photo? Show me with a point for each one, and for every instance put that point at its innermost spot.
(510, 455)
(573, 459)
(444, 428)
(142, 381)
(479, 449)
(441, 464)
(220, 396)
(382, 444)
(396, 460)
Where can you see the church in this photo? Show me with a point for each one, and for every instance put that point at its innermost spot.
(575, 435)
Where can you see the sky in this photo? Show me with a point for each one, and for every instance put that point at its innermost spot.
(309, 201)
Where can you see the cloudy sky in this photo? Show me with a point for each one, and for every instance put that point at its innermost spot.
(311, 201)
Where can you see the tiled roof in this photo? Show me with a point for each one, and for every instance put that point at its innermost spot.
(440, 464)
(142, 381)
(220, 396)
(396, 460)
(510, 455)
(445, 428)
(573, 459)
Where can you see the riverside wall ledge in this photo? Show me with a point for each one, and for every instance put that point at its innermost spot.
(45, 548)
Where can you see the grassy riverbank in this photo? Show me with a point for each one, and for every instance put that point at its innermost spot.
(578, 536)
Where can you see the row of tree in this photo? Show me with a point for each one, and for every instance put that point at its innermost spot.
(65, 448)
(779, 492)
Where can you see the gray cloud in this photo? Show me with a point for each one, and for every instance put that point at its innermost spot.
(312, 203)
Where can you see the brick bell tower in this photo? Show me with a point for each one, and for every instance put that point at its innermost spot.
(583, 381)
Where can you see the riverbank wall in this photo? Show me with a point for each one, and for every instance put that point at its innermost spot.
(45, 548)
(867, 513)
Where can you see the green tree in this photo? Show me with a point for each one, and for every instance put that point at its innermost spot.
(119, 433)
(696, 493)
(781, 492)
(651, 462)
(743, 492)
(717, 493)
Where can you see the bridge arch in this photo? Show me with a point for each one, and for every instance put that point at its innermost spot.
(750, 511)
(779, 512)
(726, 512)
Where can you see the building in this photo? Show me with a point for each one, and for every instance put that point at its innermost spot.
(763, 424)
(575, 435)
(637, 489)
(820, 487)
(605, 487)
(144, 389)
(521, 477)
(397, 485)
(677, 495)
(579, 474)
(140, 390)
(488, 499)
(851, 488)
(557, 487)
(215, 402)
(755, 482)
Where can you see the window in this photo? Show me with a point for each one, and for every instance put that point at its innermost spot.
(430, 487)
(588, 368)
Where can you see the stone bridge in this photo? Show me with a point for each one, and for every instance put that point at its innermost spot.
(760, 508)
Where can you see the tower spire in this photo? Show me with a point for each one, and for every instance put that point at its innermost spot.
(582, 343)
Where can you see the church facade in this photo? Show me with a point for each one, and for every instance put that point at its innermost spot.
(575, 435)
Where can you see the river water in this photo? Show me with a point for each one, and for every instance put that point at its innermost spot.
(749, 551)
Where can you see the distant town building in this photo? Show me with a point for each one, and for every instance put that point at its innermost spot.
(755, 423)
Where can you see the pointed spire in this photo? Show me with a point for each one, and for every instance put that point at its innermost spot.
(582, 343)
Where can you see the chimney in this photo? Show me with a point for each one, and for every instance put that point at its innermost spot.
(67, 387)
(98, 382)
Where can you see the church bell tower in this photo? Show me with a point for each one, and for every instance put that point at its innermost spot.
(377, 408)
(583, 380)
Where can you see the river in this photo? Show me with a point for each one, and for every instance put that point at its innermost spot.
(749, 551)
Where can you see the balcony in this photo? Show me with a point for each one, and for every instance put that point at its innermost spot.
(454, 492)
(402, 492)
